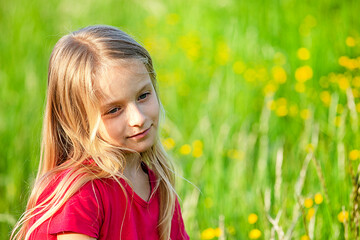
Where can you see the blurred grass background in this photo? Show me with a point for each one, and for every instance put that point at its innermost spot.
(262, 106)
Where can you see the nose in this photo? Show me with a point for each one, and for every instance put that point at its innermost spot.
(135, 115)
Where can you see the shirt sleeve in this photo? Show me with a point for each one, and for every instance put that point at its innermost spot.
(82, 213)
(177, 225)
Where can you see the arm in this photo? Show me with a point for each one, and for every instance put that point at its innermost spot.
(73, 236)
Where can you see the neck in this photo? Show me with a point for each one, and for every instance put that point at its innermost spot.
(132, 166)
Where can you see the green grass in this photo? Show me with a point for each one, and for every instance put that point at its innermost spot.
(195, 46)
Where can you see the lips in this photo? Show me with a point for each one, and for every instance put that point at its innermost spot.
(140, 134)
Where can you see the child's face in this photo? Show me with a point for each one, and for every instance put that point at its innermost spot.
(129, 108)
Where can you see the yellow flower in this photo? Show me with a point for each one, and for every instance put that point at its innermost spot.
(355, 92)
(279, 74)
(197, 148)
(318, 198)
(217, 232)
(271, 105)
(305, 114)
(343, 216)
(208, 233)
(252, 218)
(343, 83)
(281, 107)
(325, 98)
(269, 89)
(310, 214)
(300, 87)
(169, 143)
(282, 111)
(356, 82)
(354, 154)
(172, 19)
(304, 237)
(308, 203)
(185, 149)
(191, 44)
(239, 67)
(303, 54)
(358, 107)
(350, 42)
(304, 73)
(343, 61)
(281, 101)
(254, 233)
(337, 121)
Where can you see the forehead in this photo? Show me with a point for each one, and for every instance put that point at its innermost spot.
(122, 79)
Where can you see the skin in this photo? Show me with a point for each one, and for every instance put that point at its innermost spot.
(130, 116)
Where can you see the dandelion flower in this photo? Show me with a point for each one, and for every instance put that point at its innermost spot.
(217, 232)
(208, 233)
(169, 143)
(310, 214)
(343, 216)
(350, 42)
(304, 73)
(269, 89)
(255, 234)
(337, 121)
(279, 74)
(343, 83)
(252, 218)
(304, 237)
(303, 54)
(325, 97)
(197, 148)
(354, 154)
(308, 203)
(318, 198)
(305, 114)
(185, 149)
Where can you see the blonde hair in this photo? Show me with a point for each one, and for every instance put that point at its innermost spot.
(71, 122)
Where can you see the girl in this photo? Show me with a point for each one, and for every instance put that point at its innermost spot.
(103, 172)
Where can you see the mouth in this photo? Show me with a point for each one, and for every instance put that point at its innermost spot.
(140, 134)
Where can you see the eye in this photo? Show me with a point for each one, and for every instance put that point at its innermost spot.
(143, 96)
(114, 110)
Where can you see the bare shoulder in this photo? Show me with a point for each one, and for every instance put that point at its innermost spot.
(74, 236)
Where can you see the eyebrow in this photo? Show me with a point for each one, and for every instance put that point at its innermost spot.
(109, 104)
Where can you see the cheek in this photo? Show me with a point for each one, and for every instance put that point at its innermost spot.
(155, 111)
(110, 129)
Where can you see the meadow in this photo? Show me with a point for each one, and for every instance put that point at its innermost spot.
(262, 102)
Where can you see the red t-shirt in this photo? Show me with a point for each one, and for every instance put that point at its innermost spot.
(101, 210)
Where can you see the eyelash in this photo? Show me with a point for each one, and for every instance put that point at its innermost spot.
(116, 109)
(145, 96)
